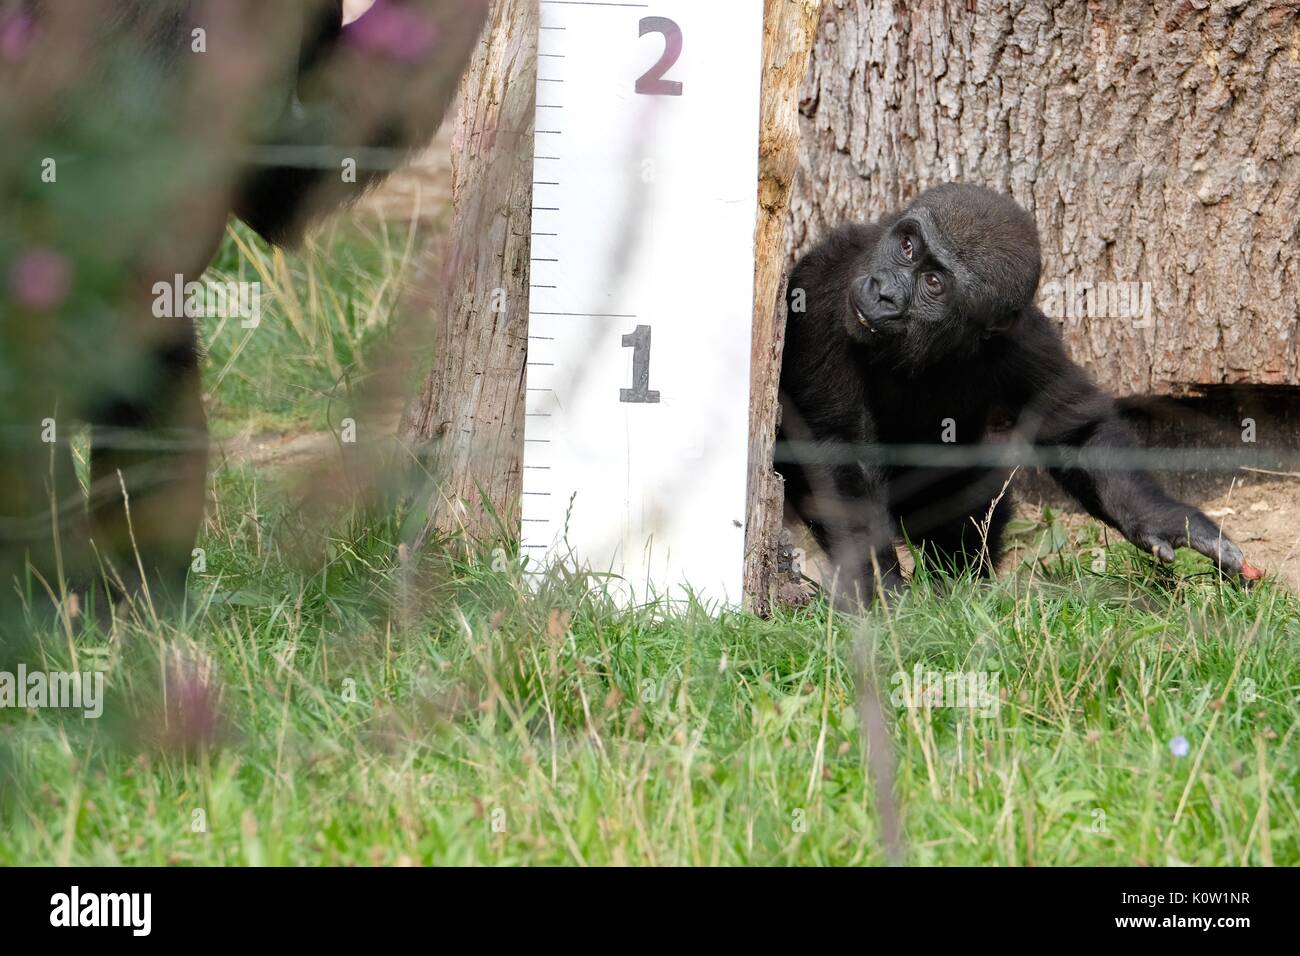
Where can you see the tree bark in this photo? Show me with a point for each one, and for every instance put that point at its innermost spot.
(1155, 143)
(470, 410)
(789, 27)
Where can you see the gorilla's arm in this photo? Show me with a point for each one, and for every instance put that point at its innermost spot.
(844, 504)
(824, 411)
(1058, 405)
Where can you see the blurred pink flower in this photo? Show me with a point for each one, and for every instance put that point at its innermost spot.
(17, 37)
(191, 717)
(40, 279)
(396, 31)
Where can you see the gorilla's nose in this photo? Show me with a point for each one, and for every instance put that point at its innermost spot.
(880, 296)
(884, 290)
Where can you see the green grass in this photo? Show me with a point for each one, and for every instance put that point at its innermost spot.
(358, 708)
(323, 309)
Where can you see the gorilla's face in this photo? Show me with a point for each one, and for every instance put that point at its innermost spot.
(910, 284)
(955, 268)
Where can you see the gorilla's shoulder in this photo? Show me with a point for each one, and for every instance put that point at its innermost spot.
(1036, 330)
(1032, 358)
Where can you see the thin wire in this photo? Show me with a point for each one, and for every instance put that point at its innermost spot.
(1010, 455)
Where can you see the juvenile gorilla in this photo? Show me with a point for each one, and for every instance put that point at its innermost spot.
(920, 329)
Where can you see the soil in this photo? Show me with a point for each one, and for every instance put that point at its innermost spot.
(274, 450)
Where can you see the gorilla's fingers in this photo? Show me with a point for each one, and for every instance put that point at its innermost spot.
(1214, 544)
(1198, 532)
(1162, 551)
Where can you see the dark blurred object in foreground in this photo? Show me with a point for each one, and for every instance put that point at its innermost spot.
(133, 129)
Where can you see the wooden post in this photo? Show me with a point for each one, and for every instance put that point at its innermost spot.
(789, 28)
(470, 410)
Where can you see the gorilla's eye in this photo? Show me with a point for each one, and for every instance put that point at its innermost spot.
(906, 245)
(934, 282)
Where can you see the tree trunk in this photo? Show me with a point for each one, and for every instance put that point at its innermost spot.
(789, 27)
(470, 409)
(1156, 144)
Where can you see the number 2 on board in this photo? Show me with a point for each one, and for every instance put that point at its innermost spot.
(653, 82)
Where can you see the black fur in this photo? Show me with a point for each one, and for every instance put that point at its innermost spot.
(926, 316)
(273, 199)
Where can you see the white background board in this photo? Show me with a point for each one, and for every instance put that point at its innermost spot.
(645, 206)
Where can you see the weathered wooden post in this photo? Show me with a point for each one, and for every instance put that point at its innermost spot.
(790, 27)
(470, 408)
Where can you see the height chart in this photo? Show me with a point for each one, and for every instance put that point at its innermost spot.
(644, 208)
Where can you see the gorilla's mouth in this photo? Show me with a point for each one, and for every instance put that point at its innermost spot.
(863, 320)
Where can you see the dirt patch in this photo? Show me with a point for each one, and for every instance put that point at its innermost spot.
(1265, 521)
(273, 450)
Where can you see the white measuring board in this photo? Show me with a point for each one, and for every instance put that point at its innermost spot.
(641, 306)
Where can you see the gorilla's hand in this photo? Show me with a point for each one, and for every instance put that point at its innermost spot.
(1182, 526)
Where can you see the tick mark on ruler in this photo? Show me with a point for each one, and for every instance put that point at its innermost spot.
(587, 315)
